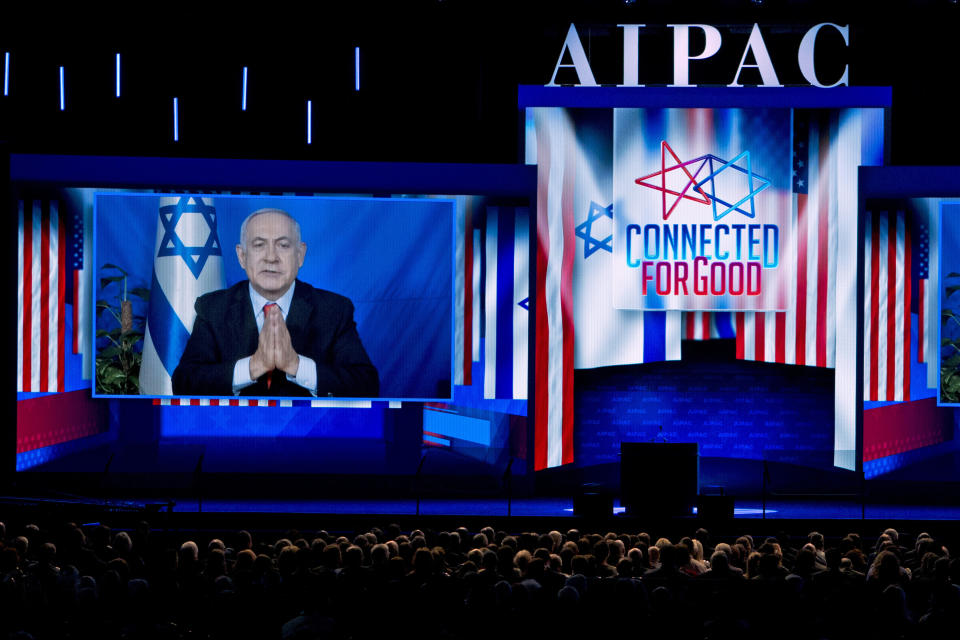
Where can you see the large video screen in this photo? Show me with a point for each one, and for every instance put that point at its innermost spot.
(698, 273)
(354, 267)
(910, 328)
(406, 299)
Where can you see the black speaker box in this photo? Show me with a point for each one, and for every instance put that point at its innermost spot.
(659, 479)
(715, 508)
(593, 505)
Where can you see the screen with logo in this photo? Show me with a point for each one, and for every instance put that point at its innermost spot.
(704, 232)
(699, 274)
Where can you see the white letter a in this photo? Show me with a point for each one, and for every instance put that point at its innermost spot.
(572, 44)
(764, 63)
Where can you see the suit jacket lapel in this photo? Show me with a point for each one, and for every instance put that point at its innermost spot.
(248, 337)
(299, 315)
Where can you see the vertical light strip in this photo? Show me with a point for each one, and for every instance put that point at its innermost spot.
(243, 99)
(6, 73)
(63, 101)
(309, 121)
(118, 75)
(176, 121)
(356, 68)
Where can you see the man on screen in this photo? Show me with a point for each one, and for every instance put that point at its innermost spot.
(273, 335)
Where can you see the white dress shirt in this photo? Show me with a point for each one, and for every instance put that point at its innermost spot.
(306, 369)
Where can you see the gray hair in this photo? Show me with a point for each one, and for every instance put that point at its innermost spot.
(122, 542)
(243, 227)
(189, 547)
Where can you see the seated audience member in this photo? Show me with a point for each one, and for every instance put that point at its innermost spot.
(720, 568)
(886, 570)
(805, 564)
(653, 557)
(733, 559)
(753, 565)
(601, 553)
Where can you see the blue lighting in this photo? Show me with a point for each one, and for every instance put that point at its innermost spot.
(356, 68)
(309, 121)
(6, 73)
(795, 97)
(243, 99)
(63, 102)
(118, 75)
(435, 440)
(176, 121)
(451, 425)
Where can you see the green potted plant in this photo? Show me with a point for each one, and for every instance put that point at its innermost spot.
(119, 334)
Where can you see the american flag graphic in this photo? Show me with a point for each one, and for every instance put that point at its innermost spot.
(556, 248)
(707, 325)
(78, 297)
(921, 272)
(887, 292)
(41, 294)
(806, 333)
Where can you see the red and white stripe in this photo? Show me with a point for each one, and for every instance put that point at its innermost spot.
(806, 333)
(77, 298)
(41, 269)
(886, 330)
(699, 325)
(923, 310)
(217, 402)
(553, 359)
(249, 402)
(475, 316)
(82, 213)
(465, 309)
(928, 347)
(83, 274)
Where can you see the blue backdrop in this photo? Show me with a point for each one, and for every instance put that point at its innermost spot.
(732, 409)
(392, 257)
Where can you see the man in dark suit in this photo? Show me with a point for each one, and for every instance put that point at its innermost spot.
(274, 335)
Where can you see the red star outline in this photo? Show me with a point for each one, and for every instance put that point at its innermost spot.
(681, 195)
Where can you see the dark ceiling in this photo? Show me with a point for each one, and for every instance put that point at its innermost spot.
(438, 78)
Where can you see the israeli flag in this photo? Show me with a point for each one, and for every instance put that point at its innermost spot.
(507, 303)
(187, 263)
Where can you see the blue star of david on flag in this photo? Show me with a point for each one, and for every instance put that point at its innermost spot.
(584, 230)
(171, 244)
(525, 303)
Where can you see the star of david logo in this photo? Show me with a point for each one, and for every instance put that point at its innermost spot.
(172, 245)
(585, 230)
(714, 166)
(525, 303)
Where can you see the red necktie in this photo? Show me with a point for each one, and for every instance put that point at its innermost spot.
(265, 308)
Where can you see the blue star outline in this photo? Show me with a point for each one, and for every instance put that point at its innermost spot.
(171, 244)
(584, 230)
(752, 189)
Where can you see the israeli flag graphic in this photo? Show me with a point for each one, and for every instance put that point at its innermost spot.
(188, 262)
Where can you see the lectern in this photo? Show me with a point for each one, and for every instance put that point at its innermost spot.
(659, 479)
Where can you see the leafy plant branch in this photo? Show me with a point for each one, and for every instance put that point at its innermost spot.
(120, 338)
